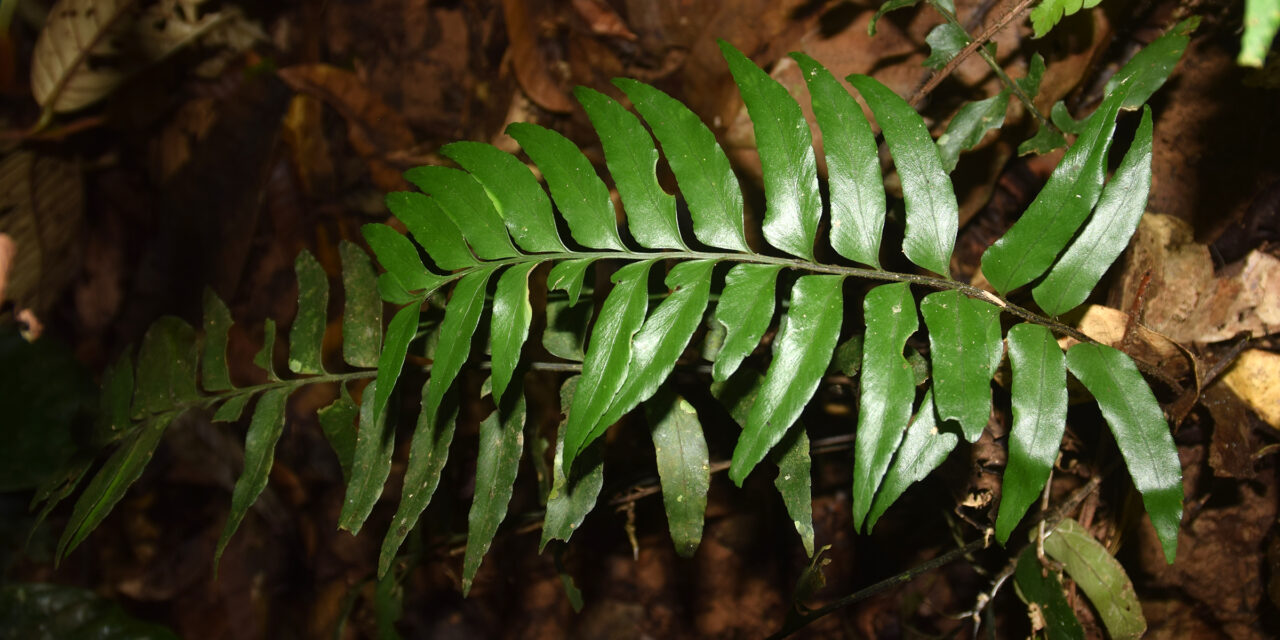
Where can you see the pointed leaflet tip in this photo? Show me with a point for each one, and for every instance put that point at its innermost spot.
(790, 171)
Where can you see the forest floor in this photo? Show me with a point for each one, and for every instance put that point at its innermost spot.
(216, 166)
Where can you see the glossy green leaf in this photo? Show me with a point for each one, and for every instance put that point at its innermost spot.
(106, 488)
(432, 228)
(738, 395)
(608, 354)
(745, 309)
(1261, 22)
(398, 256)
(853, 166)
(427, 456)
(632, 160)
(965, 348)
(512, 315)
(461, 318)
(567, 276)
(232, 408)
(801, 353)
(259, 453)
(683, 467)
(932, 212)
(565, 335)
(515, 193)
(888, 389)
(213, 366)
(1034, 241)
(1044, 590)
(468, 206)
(1045, 140)
(338, 421)
(701, 168)
(390, 289)
(1148, 69)
(891, 5)
(306, 334)
(1039, 391)
(793, 204)
(923, 449)
(1030, 84)
(945, 41)
(1063, 120)
(35, 611)
(578, 191)
(115, 398)
(362, 311)
(166, 376)
(1107, 233)
(794, 483)
(1141, 432)
(569, 502)
(501, 442)
(400, 332)
(970, 124)
(1049, 13)
(664, 336)
(1100, 576)
(265, 358)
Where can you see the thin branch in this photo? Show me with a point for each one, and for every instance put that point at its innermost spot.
(797, 623)
(976, 45)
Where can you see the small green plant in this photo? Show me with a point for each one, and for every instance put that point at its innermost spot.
(488, 227)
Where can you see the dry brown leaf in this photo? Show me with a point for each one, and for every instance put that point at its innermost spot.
(41, 209)
(303, 132)
(602, 19)
(1107, 325)
(1185, 300)
(1255, 379)
(375, 130)
(88, 47)
(7, 251)
(532, 71)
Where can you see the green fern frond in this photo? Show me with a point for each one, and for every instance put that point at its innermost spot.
(487, 227)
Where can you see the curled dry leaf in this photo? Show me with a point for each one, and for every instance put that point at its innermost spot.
(41, 205)
(88, 47)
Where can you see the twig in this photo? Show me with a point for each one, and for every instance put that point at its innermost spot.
(976, 44)
(796, 623)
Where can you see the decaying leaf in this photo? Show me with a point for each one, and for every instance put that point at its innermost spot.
(88, 47)
(41, 205)
(1186, 300)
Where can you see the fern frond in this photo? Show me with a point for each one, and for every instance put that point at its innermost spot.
(634, 346)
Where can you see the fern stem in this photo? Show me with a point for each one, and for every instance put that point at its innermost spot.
(209, 401)
(799, 265)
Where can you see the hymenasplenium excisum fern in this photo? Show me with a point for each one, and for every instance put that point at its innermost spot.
(489, 227)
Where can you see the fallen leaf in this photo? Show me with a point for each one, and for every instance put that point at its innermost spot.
(532, 71)
(602, 19)
(88, 47)
(374, 129)
(1255, 379)
(41, 210)
(1185, 300)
